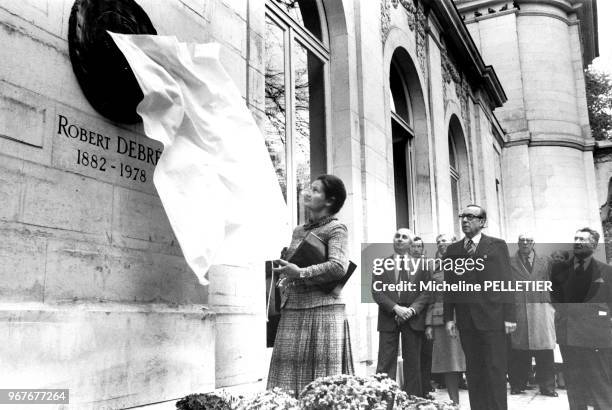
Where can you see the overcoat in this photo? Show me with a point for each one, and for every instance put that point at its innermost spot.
(535, 315)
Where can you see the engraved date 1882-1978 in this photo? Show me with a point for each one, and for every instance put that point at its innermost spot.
(101, 164)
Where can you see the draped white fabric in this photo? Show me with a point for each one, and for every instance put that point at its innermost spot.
(215, 177)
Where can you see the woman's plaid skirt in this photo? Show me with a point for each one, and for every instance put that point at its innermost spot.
(310, 343)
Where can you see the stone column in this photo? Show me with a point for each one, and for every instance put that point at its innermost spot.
(548, 165)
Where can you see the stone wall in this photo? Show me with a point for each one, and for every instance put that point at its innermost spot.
(603, 172)
(95, 295)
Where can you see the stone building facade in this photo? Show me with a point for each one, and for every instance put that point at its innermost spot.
(539, 50)
(418, 106)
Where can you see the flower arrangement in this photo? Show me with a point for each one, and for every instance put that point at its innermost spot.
(341, 392)
(270, 400)
(351, 392)
(208, 401)
(419, 403)
(376, 392)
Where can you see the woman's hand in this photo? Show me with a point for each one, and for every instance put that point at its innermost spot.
(287, 269)
(429, 333)
(451, 328)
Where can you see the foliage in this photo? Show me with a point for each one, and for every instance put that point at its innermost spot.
(341, 392)
(208, 401)
(376, 392)
(270, 400)
(350, 392)
(599, 102)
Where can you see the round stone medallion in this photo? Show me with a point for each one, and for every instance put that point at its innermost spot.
(101, 69)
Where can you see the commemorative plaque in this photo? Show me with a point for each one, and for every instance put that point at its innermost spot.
(101, 69)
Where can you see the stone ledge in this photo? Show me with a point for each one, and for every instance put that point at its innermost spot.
(108, 355)
(109, 307)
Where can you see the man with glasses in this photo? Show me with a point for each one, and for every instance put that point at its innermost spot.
(582, 293)
(401, 313)
(483, 318)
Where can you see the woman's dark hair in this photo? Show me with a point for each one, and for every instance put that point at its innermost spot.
(333, 187)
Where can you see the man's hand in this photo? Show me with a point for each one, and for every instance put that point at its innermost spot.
(510, 327)
(451, 328)
(429, 333)
(402, 312)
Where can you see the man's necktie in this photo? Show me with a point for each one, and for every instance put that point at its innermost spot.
(470, 247)
(580, 268)
(403, 277)
(528, 264)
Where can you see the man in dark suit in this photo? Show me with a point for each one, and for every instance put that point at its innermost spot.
(401, 313)
(582, 293)
(482, 318)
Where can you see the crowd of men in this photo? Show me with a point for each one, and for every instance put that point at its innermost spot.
(494, 336)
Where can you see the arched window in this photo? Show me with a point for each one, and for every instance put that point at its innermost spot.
(400, 96)
(454, 178)
(403, 135)
(459, 170)
(296, 66)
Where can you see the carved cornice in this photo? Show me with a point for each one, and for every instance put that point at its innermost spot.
(417, 23)
(449, 70)
(451, 74)
(421, 37)
(462, 44)
(385, 19)
(471, 5)
(411, 11)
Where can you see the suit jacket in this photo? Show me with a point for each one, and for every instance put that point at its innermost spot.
(480, 310)
(535, 315)
(305, 293)
(386, 300)
(585, 324)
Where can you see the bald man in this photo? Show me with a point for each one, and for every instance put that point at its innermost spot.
(535, 322)
(401, 314)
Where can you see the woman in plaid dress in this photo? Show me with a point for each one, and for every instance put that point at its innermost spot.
(447, 355)
(312, 338)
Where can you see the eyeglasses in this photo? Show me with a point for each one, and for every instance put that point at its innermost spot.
(401, 236)
(469, 217)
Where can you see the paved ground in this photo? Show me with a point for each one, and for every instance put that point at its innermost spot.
(530, 400)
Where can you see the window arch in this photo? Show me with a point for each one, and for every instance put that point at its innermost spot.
(296, 71)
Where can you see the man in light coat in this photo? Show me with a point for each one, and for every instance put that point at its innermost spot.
(535, 328)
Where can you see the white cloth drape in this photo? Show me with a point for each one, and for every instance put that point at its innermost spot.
(215, 177)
